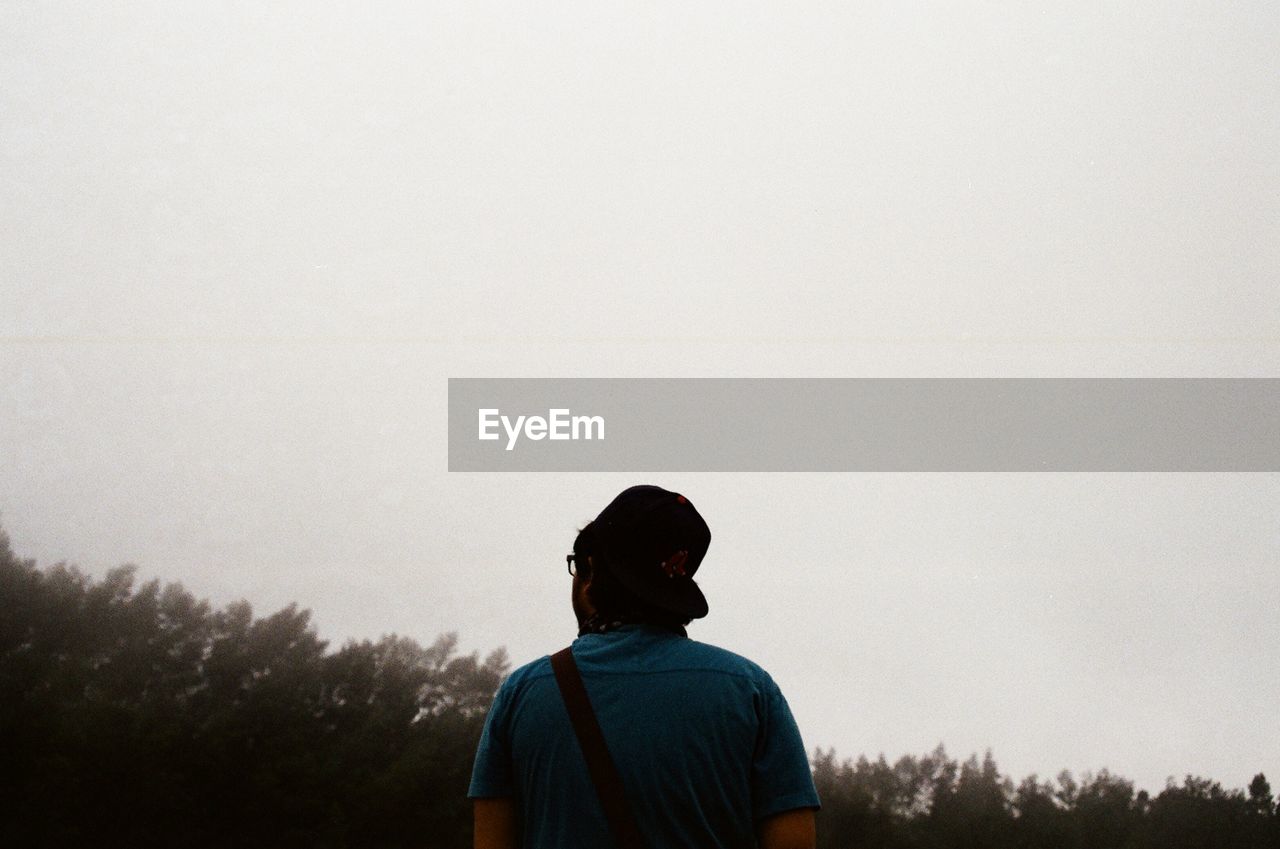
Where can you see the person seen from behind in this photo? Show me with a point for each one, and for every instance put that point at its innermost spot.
(638, 736)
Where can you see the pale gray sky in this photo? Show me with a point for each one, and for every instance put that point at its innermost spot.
(243, 246)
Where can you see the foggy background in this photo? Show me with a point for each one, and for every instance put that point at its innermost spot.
(242, 248)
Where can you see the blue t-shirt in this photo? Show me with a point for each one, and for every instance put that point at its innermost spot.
(703, 738)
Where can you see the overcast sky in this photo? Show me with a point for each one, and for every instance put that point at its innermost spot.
(244, 245)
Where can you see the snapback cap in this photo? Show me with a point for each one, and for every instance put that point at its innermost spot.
(653, 541)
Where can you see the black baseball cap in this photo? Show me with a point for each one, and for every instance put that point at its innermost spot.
(653, 541)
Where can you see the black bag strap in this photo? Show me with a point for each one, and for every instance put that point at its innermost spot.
(604, 773)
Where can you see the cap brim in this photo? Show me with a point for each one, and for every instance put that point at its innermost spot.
(683, 597)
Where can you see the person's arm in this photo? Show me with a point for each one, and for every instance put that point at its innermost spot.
(495, 826)
(788, 830)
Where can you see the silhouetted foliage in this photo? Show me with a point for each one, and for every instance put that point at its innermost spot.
(139, 716)
(934, 802)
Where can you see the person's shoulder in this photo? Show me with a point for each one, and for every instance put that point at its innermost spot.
(520, 677)
(723, 660)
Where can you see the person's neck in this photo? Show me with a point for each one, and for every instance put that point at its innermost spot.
(598, 623)
(603, 624)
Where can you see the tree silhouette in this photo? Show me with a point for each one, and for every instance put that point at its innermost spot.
(935, 802)
(140, 717)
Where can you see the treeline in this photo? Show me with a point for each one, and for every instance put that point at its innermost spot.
(935, 802)
(139, 716)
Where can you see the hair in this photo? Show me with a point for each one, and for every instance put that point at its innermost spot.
(608, 595)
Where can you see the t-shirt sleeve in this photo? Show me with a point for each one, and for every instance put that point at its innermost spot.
(780, 776)
(491, 774)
